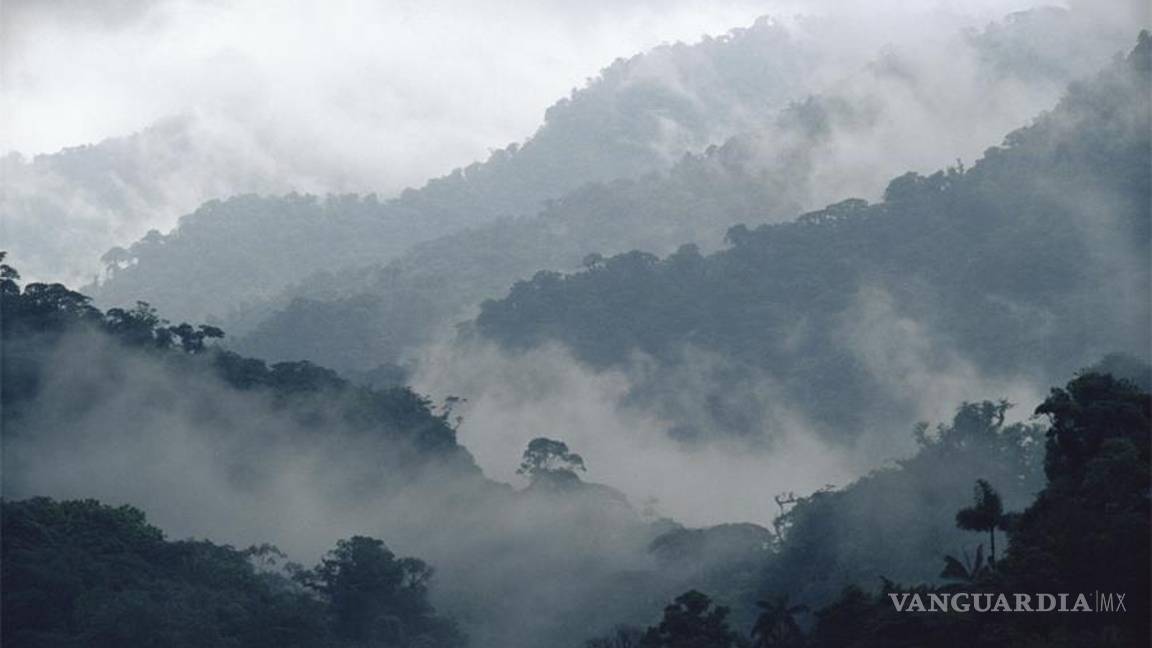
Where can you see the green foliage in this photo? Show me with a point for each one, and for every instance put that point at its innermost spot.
(269, 242)
(762, 175)
(896, 522)
(858, 619)
(79, 573)
(985, 514)
(377, 598)
(776, 627)
(691, 621)
(36, 320)
(1087, 531)
(977, 259)
(389, 310)
(615, 128)
(546, 458)
(970, 571)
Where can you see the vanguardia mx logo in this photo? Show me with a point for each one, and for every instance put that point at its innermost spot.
(990, 602)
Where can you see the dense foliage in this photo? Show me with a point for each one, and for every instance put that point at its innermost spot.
(1028, 265)
(897, 521)
(390, 311)
(783, 163)
(1088, 531)
(79, 573)
(974, 266)
(788, 138)
(38, 320)
(625, 123)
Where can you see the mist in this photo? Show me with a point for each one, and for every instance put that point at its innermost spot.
(371, 98)
(630, 441)
(773, 283)
(208, 461)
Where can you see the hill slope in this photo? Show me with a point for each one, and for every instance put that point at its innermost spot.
(885, 117)
(639, 115)
(1031, 263)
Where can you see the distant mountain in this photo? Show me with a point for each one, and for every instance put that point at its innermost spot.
(124, 407)
(639, 115)
(62, 211)
(388, 312)
(848, 140)
(170, 385)
(1029, 265)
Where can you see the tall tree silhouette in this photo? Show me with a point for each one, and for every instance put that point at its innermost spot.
(691, 622)
(985, 514)
(776, 627)
(545, 457)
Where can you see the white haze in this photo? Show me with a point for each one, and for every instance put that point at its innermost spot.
(129, 428)
(375, 97)
(440, 80)
(352, 96)
(205, 460)
(513, 397)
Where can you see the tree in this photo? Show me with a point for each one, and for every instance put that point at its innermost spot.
(80, 573)
(691, 622)
(776, 626)
(969, 571)
(192, 338)
(377, 597)
(985, 514)
(1089, 528)
(139, 326)
(8, 277)
(548, 458)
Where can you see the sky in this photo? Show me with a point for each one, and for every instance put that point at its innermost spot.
(407, 89)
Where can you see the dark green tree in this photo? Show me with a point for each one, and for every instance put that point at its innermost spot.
(79, 573)
(776, 627)
(548, 458)
(692, 621)
(1089, 528)
(969, 571)
(375, 596)
(985, 514)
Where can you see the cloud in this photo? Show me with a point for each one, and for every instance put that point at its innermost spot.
(235, 97)
(393, 93)
(405, 89)
(920, 367)
(513, 398)
(358, 96)
(205, 460)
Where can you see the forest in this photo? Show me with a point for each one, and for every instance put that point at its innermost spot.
(81, 571)
(935, 251)
(830, 330)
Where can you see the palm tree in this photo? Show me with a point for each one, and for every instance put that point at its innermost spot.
(968, 571)
(776, 626)
(985, 514)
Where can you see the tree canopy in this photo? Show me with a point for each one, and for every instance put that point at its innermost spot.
(83, 573)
